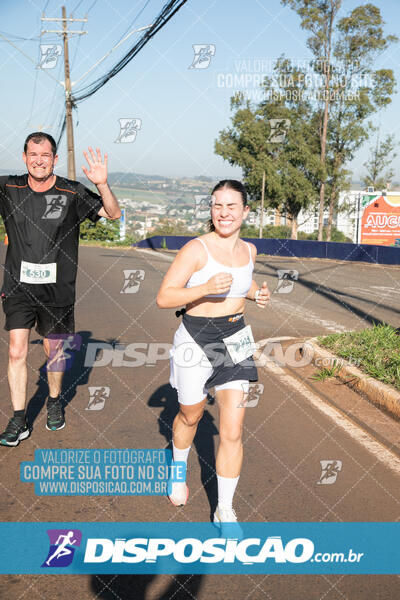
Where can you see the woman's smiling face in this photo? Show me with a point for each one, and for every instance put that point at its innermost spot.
(227, 211)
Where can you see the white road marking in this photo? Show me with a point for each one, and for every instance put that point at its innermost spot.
(154, 254)
(389, 459)
(380, 292)
(307, 315)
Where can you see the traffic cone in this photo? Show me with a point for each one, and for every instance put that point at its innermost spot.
(6, 240)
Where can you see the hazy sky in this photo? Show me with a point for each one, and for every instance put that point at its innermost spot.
(180, 110)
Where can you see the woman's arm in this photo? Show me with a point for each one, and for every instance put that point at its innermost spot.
(173, 293)
(260, 295)
(251, 293)
(254, 287)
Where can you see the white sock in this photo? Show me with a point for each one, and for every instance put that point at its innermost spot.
(226, 490)
(179, 454)
(179, 492)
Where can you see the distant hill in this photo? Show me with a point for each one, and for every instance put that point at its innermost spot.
(121, 178)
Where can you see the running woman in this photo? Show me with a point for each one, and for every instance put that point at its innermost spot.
(42, 213)
(212, 276)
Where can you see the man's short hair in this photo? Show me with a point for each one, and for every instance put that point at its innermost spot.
(37, 137)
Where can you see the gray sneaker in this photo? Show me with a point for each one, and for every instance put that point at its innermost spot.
(55, 416)
(15, 431)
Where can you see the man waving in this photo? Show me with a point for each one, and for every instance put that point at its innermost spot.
(42, 213)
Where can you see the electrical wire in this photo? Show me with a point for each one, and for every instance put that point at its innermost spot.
(35, 82)
(134, 20)
(77, 46)
(92, 5)
(53, 102)
(77, 6)
(166, 14)
(62, 129)
(168, 11)
(18, 37)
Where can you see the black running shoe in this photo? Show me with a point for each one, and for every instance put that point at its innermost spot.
(55, 416)
(15, 431)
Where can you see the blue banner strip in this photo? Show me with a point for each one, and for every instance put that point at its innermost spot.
(199, 548)
(370, 253)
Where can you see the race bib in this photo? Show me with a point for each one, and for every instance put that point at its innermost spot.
(34, 273)
(240, 345)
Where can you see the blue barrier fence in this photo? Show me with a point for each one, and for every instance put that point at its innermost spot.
(384, 255)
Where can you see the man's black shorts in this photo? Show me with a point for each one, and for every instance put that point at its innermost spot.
(21, 313)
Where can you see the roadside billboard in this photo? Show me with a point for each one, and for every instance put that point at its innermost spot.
(380, 221)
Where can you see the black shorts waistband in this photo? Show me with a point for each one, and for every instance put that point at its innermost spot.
(213, 320)
(206, 330)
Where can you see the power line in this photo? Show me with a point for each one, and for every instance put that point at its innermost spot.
(33, 97)
(25, 55)
(18, 37)
(107, 54)
(62, 129)
(166, 14)
(134, 20)
(76, 47)
(121, 40)
(77, 6)
(53, 103)
(92, 5)
(168, 11)
(34, 93)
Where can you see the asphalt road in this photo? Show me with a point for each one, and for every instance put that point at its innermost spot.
(294, 426)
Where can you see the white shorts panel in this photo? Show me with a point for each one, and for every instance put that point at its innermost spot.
(189, 368)
(240, 384)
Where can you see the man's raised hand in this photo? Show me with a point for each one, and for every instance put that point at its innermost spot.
(97, 172)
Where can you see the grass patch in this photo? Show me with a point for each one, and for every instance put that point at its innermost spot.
(376, 351)
(327, 372)
(106, 244)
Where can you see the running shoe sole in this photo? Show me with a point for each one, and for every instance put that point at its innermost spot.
(22, 436)
(55, 428)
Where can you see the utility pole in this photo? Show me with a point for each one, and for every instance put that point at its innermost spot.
(260, 233)
(67, 85)
(68, 103)
(358, 217)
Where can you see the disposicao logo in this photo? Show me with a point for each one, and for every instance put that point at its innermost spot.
(190, 550)
(61, 551)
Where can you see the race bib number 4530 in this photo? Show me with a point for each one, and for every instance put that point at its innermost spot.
(240, 345)
(38, 273)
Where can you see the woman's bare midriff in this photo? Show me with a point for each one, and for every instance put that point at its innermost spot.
(215, 307)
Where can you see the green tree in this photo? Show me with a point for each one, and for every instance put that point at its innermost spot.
(335, 235)
(318, 17)
(359, 91)
(168, 227)
(381, 157)
(2, 230)
(276, 137)
(344, 50)
(103, 230)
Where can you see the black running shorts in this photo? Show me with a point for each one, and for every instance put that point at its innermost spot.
(21, 313)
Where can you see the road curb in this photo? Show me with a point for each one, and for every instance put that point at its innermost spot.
(379, 393)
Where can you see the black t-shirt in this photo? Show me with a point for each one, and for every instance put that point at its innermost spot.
(43, 229)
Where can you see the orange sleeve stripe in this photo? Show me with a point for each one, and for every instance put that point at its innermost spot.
(62, 190)
(17, 186)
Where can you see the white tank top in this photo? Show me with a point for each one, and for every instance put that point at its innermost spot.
(242, 276)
